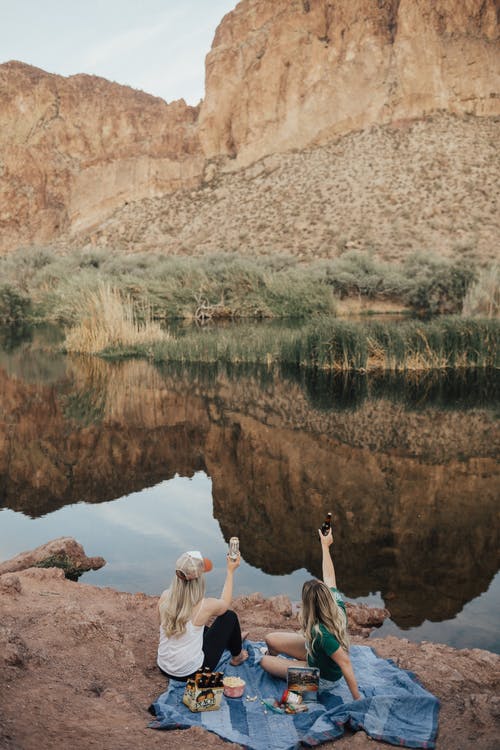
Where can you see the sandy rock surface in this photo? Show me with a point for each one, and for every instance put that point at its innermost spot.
(77, 669)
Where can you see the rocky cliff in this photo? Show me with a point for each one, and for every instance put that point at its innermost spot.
(72, 149)
(284, 75)
(281, 76)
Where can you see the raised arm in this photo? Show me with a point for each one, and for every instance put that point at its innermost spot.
(327, 563)
(227, 590)
(219, 606)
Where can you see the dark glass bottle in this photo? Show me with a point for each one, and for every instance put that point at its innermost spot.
(327, 524)
(207, 672)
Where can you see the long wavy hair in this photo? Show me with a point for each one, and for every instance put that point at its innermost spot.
(177, 606)
(320, 608)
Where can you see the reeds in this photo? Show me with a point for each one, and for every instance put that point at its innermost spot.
(334, 345)
(108, 320)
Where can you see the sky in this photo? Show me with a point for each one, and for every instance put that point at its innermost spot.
(158, 46)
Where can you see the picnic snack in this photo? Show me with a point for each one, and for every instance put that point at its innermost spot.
(234, 687)
(233, 681)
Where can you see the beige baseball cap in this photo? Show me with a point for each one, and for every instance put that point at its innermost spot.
(191, 565)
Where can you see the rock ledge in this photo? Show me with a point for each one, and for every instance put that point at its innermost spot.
(77, 668)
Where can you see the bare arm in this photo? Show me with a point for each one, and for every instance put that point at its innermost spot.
(327, 564)
(219, 606)
(343, 659)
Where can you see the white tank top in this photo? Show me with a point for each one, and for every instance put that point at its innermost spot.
(181, 655)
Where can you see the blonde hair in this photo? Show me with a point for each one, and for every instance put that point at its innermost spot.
(177, 606)
(320, 608)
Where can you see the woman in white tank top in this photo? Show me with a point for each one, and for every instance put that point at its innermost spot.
(186, 644)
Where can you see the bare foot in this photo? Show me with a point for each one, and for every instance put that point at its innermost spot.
(237, 660)
(244, 635)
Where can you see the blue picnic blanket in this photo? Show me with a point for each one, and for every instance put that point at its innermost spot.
(394, 708)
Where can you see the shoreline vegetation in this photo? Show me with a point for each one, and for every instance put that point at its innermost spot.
(45, 285)
(334, 345)
(116, 305)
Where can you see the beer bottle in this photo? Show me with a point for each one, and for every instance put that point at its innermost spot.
(327, 524)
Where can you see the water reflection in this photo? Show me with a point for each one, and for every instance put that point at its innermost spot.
(455, 389)
(408, 467)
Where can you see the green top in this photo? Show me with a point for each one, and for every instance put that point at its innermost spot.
(324, 645)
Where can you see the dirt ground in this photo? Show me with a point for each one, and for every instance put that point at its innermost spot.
(77, 669)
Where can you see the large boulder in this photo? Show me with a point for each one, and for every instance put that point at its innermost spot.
(65, 553)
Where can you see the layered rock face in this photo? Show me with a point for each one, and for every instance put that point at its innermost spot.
(284, 75)
(73, 149)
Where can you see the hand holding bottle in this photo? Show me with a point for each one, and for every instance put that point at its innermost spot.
(327, 524)
(326, 540)
(232, 563)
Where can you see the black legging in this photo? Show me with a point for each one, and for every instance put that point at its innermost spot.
(224, 632)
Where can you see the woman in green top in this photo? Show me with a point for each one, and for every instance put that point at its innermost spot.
(323, 642)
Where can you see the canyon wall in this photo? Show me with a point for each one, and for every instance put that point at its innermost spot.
(282, 75)
(288, 74)
(73, 149)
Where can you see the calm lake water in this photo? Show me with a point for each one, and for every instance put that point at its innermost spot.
(139, 463)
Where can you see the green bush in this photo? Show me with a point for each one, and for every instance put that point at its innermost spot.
(240, 287)
(438, 286)
(14, 306)
(424, 282)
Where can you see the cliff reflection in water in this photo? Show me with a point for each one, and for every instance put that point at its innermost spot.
(412, 480)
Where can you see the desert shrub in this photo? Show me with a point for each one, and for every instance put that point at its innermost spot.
(264, 287)
(424, 282)
(357, 272)
(14, 306)
(437, 285)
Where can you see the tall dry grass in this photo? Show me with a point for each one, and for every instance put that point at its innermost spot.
(108, 320)
(483, 297)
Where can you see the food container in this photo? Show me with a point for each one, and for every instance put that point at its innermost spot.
(234, 687)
